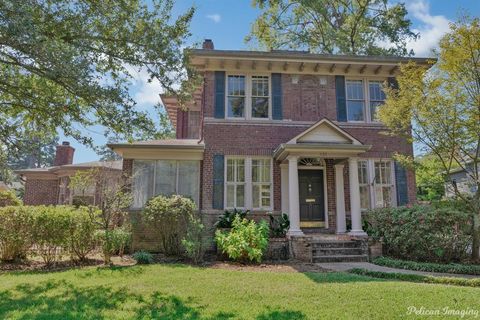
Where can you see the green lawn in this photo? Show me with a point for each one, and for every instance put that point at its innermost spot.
(184, 292)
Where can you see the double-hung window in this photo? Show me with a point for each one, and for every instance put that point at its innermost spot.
(261, 183)
(363, 96)
(248, 183)
(248, 96)
(375, 178)
(235, 183)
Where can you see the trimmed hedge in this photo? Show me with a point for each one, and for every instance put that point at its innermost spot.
(455, 268)
(417, 278)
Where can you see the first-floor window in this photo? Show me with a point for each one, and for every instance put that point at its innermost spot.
(248, 183)
(165, 177)
(235, 183)
(375, 178)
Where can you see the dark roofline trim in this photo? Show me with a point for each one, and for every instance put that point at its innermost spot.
(155, 146)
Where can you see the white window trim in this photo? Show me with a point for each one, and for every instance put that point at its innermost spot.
(248, 95)
(248, 184)
(197, 196)
(366, 98)
(371, 182)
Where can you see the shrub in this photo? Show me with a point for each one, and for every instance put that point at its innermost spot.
(113, 241)
(82, 239)
(195, 242)
(170, 216)
(246, 241)
(15, 232)
(279, 225)
(51, 231)
(9, 198)
(423, 233)
(226, 220)
(143, 257)
(428, 266)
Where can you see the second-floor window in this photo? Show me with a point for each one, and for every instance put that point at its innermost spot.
(248, 96)
(363, 98)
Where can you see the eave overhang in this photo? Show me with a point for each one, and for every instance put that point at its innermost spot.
(298, 62)
(144, 151)
(324, 150)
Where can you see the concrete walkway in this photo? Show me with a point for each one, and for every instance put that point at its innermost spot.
(345, 266)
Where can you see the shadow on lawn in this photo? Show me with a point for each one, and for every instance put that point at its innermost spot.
(63, 300)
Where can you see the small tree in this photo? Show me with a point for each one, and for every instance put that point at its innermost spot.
(444, 106)
(113, 199)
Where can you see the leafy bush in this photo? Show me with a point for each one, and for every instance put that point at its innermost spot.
(195, 242)
(170, 216)
(246, 240)
(423, 233)
(417, 278)
(9, 198)
(82, 238)
(113, 241)
(51, 231)
(279, 225)
(226, 220)
(428, 266)
(15, 232)
(143, 257)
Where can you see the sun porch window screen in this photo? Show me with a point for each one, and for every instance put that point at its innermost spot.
(261, 183)
(235, 183)
(166, 177)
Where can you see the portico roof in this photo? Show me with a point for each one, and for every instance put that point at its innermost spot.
(173, 149)
(322, 139)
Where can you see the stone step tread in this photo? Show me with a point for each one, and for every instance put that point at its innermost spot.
(337, 249)
(340, 258)
(343, 256)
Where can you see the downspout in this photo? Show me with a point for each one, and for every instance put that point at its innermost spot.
(202, 110)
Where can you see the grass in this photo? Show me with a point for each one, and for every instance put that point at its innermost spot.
(185, 292)
(417, 278)
(428, 266)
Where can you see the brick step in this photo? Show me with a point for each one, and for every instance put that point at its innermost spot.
(337, 251)
(336, 244)
(341, 258)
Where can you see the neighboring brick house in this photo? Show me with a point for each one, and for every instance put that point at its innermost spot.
(50, 185)
(280, 131)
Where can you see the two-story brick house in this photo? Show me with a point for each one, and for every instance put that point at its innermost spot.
(280, 131)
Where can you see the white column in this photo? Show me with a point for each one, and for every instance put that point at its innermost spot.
(293, 201)
(340, 199)
(284, 186)
(355, 209)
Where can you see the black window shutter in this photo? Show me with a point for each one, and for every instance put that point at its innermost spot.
(341, 100)
(401, 184)
(277, 111)
(392, 82)
(219, 95)
(218, 176)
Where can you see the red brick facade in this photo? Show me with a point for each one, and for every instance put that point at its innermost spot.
(41, 191)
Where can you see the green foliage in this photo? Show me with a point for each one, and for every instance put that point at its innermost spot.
(417, 278)
(9, 198)
(69, 65)
(423, 233)
(195, 241)
(246, 241)
(428, 266)
(226, 220)
(82, 239)
(143, 257)
(113, 241)
(430, 179)
(15, 232)
(323, 26)
(279, 225)
(171, 217)
(51, 231)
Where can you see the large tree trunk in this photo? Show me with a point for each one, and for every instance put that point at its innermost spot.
(476, 237)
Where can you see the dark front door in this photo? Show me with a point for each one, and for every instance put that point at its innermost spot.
(312, 202)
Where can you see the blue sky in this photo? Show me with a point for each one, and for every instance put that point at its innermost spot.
(227, 22)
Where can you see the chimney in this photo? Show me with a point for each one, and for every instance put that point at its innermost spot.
(208, 44)
(64, 154)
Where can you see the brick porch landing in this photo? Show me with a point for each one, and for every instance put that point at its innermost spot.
(320, 247)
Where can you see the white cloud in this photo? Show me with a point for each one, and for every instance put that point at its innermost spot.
(215, 17)
(431, 28)
(146, 93)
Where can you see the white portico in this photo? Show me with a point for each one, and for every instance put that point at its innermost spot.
(308, 184)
